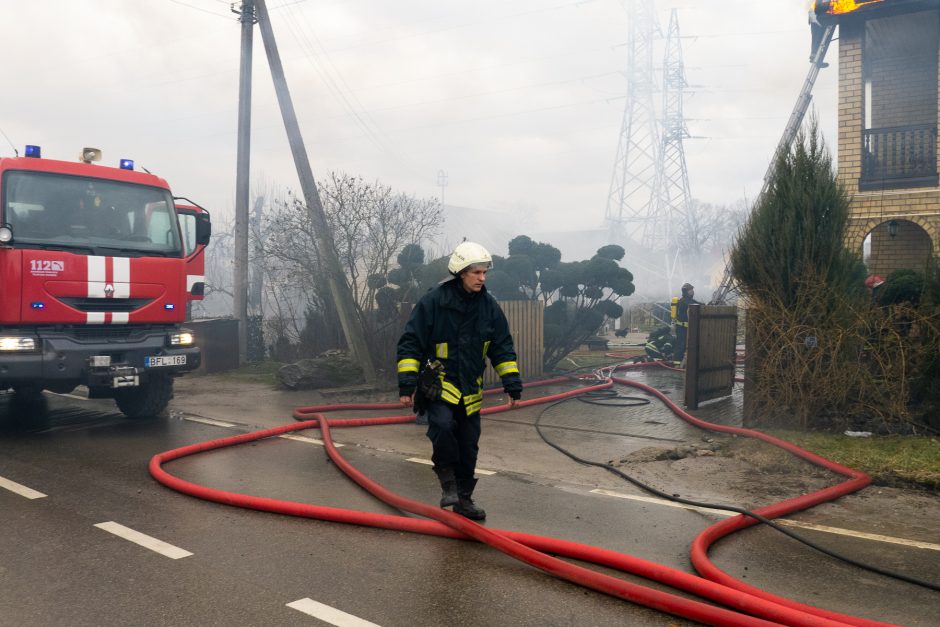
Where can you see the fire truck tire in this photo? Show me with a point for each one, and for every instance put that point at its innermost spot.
(149, 399)
(28, 391)
(28, 408)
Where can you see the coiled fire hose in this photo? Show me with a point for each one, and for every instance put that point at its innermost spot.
(745, 605)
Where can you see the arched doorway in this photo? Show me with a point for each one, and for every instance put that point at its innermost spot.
(895, 245)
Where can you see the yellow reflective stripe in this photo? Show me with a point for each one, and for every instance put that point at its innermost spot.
(440, 350)
(682, 324)
(473, 398)
(451, 389)
(507, 367)
(408, 365)
(450, 398)
(486, 347)
(473, 408)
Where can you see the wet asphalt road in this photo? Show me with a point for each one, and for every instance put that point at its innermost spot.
(245, 567)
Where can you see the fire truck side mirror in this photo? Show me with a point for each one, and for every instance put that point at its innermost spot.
(203, 229)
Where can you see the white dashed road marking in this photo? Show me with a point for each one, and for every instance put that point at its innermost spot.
(785, 523)
(20, 489)
(329, 614)
(210, 421)
(303, 438)
(148, 542)
(428, 462)
(229, 425)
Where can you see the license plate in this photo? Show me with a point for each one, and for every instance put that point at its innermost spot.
(165, 360)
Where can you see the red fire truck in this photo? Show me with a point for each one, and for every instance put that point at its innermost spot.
(97, 266)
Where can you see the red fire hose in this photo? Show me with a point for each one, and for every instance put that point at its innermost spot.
(745, 605)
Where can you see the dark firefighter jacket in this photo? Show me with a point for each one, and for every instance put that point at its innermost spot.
(659, 345)
(682, 310)
(460, 330)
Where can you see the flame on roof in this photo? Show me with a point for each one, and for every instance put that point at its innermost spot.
(838, 7)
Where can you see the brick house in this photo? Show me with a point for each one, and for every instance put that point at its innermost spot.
(889, 60)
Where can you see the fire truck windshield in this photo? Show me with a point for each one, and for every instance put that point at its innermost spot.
(107, 217)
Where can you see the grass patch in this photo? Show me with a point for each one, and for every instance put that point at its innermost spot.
(888, 459)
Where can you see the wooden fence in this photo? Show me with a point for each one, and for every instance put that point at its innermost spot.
(526, 325)
(710, 353)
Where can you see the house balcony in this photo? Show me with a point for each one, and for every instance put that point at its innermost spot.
(899, 157)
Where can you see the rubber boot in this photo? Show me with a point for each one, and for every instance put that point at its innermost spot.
(448, 486)
(465, 505)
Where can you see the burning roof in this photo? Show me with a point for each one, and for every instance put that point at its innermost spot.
(838, 7)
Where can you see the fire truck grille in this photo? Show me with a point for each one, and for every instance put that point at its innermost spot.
(107, 333)
(107, 304)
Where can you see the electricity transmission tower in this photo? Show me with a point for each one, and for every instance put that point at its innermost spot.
(634, 176)
(649, 193)
(670, 204)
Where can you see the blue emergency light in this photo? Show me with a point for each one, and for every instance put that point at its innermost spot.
(33, 151)
(127, 164)
(38, 305)
(169, 306)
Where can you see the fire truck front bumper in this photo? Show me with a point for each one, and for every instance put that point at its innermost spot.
(59, 359)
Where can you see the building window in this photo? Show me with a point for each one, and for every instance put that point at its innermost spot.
(899, 141)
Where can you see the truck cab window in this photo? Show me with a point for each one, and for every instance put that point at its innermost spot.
(62, 210)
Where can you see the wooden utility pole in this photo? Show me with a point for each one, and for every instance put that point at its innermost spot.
(345, 306)
(240, 269)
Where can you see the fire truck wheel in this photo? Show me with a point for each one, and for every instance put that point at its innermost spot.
(149, 399)
(28, 391)
(28, 408)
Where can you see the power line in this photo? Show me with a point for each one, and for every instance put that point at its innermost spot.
(195, 8)
(337, 85)
(483, 68)
(12, 145)
(468, 24)
(496, 91)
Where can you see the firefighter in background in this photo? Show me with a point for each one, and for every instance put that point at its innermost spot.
(816, 29)
(659, 345)
(441, 358)
(874, 285)
(682, 320)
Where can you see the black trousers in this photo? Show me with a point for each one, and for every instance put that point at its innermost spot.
(455, 437)
(681, 333)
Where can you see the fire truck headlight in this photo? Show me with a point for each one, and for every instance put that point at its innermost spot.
(17, 344)
(181, 338)
(6, 234)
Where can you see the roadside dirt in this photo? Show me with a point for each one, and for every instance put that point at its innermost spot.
(751, 474)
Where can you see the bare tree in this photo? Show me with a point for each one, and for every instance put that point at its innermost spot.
(710, 228)
(218, 270)
(371, 224)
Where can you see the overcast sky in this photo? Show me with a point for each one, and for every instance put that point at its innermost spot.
(519, 101)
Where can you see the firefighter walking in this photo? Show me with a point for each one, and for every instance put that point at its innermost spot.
(442, 355)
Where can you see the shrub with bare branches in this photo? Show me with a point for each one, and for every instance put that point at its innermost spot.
(822, 354)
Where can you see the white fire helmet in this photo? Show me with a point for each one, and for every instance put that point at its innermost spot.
(468, 254)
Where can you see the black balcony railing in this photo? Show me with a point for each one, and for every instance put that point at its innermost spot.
(898, 157)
